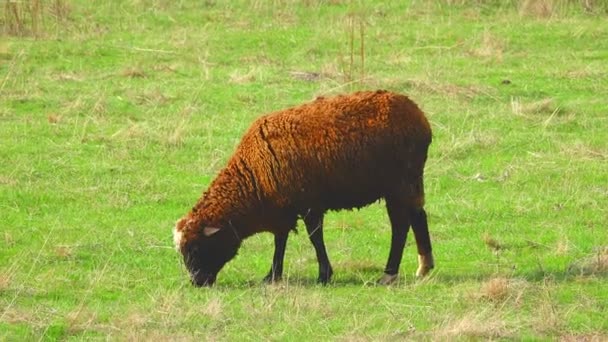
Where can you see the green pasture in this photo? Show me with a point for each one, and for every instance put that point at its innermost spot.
(116, 115)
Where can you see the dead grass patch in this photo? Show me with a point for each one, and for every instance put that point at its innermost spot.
(6, 280)
(547, 319)
(584, 152)
(537, 8)
(584, 74)
(595, 264)
(133, 72)
(306, 75)
(27, 18)
(6, 180)
(543, 106)
(69, 77)
(53, 118)
(152, 97)
(177, 135)
(500, 289)
(562, 247)
(63, 251)
(495, 289)
(474, 325)
(492, 243)
(8, 238)
(5, 51)
(80, 320)
(592, 337)
(213, 308)
(244, 76)
(133, 131)
(546, 109)
(488, 46)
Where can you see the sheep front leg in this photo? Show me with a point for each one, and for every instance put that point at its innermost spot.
(276, 270)
(314, 226)
(400, 225)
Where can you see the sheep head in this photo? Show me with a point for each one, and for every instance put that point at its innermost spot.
(205, 249)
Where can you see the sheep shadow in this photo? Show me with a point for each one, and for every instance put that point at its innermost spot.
(368, 276)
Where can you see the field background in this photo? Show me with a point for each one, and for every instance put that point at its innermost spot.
(115, 115)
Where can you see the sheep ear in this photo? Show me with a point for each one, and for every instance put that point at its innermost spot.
(208, 231)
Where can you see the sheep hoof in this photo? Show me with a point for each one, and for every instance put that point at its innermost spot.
(425, 264)
(324, 280)
(388, 279)
(325, 276)
(271, 279)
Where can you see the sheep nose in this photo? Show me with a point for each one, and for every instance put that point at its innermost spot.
(203, 280)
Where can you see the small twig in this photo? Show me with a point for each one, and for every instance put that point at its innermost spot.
(163, 247)
(362, 27)
(153, 50)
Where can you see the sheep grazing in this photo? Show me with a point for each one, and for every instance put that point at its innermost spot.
(334, 153)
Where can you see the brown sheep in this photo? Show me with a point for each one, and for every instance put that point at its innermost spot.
(333, 153)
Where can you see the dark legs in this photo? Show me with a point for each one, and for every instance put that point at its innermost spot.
(423, 241)
(314, 227)
(400, 225)
(402, 213)
(276, 270)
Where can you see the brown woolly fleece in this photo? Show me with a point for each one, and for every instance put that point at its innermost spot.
(334, 153)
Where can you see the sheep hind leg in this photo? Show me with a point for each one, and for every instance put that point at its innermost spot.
(276, 270)
(423, 241)
(400, 225)
(314, 227)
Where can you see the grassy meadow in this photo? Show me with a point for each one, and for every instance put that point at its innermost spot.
(116, 115)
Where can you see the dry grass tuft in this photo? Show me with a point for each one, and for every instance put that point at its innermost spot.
(500, 289)
(5, 50)
(54, 118)
(63, 251)
(584, 152)
(596, 264)
(545, 106)
(562, 246)
(26, 18)
(176, 136)
(537, 8)
(306, 75)
(152, 97)
(132, 320)
(133, 72)
(547, 318)
(583, 338)
(213, 309)
(489, 47)
(473, 325)
(6, 280)
(80, 320)
(8, 238)
(13, 18)
(6, 180)
(243, 77)
(69, 77)
(492, 243)
(134, 131)
(495, 289)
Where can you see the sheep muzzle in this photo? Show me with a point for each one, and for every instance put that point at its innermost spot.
(203, 280)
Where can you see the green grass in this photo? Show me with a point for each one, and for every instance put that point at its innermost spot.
(119, 114)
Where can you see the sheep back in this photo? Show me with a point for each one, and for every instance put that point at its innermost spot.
(333, 153)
